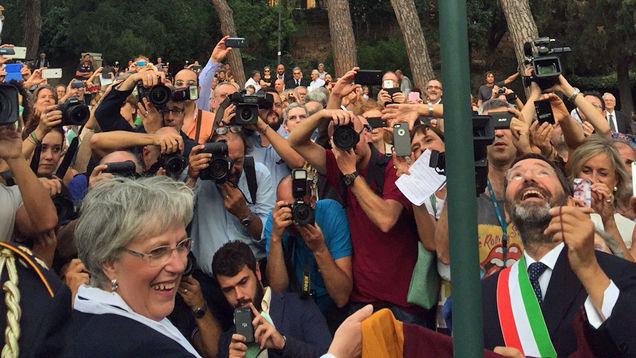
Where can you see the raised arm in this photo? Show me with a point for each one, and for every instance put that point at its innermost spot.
(206, 77)
(107, 142)
(300, 141)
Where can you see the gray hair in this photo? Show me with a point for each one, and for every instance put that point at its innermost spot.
(297, 69)
(317, 96)
(120, 211)
(493, 104)
(594, 145)
(292, 106)
(315, 71)
(607, 94)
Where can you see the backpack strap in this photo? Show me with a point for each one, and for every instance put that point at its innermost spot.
(199, 119)
(68, 158)
(250, 172)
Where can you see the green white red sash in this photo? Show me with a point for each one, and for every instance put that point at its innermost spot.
(520, 316)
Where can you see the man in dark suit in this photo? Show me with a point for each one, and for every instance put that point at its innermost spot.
(618, 121)
(297, 79)
(564, 271)
(283, 323)
(280, 73)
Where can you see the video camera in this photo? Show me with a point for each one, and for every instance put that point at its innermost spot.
(247, 106)
(483, 136)
(302, 212)
(75, 112)
(159, 95)
(545, 61)
(220, 164)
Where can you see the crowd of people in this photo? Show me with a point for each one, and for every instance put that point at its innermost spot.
(190, 215)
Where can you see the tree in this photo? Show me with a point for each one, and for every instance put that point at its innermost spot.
(342, 39)
(409, 21)
(520, 24)
(32, 27)
(226, 17)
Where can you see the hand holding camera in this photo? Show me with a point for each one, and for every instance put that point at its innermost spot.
(345, 85)
(281, 220)
(220, 51)
(50, 117)
(346, 159)
(168, 142)
(151, 119)
(313, 236)
(98, 175)
(198, 161)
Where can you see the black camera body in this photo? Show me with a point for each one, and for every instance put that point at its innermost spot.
(9, 113)
(174, 164)
(247, 106)
(75, 112)
(220, 164)
(345, 137)
(125, 169)
(545, 61)
(302, 212)
(159, 95)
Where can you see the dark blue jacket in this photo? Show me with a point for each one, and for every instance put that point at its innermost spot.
(300, 321)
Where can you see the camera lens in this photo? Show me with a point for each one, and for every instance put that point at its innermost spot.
(219, 168)
(174, 164)
(345, 137)
(246, 115)
(303, 214)
(64, 207)
(159, 95)
(8, 104)
(78, 114)
(401, 132)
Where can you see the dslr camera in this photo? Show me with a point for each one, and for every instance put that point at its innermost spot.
(159, 95)
(9, 113)
(546, 61)
(75, 112)
(302, 212)
(173, 164)
(345, 137)
(220, 164)
(247, 106)
(125, 169)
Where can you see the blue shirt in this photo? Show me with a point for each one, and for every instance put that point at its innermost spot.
(332, 220)
(269, 157)
(213, 226)
(77, 187)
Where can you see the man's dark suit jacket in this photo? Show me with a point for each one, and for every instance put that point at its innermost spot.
(565, 296)
(291, 83)
(300, 321)
(623, 122)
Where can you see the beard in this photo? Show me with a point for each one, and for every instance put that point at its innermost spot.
(259, 293)
(532, 218)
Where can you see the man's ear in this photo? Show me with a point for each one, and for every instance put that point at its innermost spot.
(508, 219)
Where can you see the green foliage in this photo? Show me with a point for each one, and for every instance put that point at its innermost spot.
(389, 54)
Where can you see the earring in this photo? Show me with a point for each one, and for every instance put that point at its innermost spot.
(113, 285)
(615, 189)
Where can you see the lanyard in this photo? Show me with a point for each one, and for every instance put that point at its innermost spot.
(502, 222)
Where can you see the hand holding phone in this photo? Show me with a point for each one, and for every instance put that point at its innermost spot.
(414, 97)
(243, 320)
(583, 191)
(544, 111)
(402, 139)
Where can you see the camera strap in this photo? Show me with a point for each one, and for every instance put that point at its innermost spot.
(198, 120)
(250, 173)
(68, 158)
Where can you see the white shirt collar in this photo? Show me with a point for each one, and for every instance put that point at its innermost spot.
(548, 259)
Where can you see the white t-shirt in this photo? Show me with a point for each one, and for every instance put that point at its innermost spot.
(11, 200)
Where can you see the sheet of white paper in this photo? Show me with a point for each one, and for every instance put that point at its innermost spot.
(423, 181)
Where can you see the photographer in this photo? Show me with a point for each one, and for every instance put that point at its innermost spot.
(320, 251)
(379, 215)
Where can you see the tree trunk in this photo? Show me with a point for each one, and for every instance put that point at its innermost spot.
(625, 92)
(343, 42)
(520, 24)
(406, 15)
(226, 18)
(32, 28)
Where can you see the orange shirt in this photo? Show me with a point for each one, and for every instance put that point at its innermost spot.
(207, 121)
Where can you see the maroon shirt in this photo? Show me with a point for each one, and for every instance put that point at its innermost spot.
(382, 262)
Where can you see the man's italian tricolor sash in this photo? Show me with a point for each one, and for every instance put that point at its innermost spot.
(520, 316)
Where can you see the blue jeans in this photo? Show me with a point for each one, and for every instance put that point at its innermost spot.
(426, 319)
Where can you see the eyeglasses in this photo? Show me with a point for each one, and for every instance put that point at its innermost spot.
(536, 172)
(226, 129)
(434, 87)
(161, 254)
(174, 111)
(180, 83)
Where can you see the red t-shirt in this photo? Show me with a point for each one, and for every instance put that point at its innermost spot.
(382, 262)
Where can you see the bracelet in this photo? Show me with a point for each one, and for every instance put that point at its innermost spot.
(573, 96)
(34, 138)
(430, 109)
(265, 130)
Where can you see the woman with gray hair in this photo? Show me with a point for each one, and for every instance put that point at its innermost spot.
(598, 161)
(131, 237)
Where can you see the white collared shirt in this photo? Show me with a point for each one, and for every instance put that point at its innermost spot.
(609, 297)
(613, 114)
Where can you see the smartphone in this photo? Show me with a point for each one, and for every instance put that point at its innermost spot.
(501, 120)
(52, 73)
(78, 84)
(634, 178)
(13, 72)
(376, 122)
(387, 84)
(392, 91)
(414, 97)
(235, 42)
(105, 81)
(402, 139)
(368, 77)
(243, 321)
(583, 191)
(544, 111)
(197, 68)
(141, 63)
(18, 53)
(4, 51)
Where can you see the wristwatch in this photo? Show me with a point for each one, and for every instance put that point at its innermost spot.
(350, 178)
(574, 94)
(430, 109)
(200, 312)
(246, 222)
